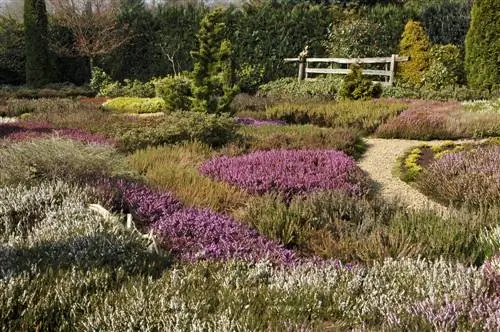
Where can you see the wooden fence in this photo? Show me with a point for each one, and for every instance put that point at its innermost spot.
(388, 72)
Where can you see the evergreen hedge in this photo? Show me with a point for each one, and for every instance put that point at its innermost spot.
(482, 45)
(39, 69)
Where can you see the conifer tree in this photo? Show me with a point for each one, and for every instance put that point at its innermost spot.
(213, 73)
(482, 45)
(39, 69)
(414, 43)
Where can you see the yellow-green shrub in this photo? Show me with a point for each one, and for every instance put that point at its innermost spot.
(135, 105)
(415, 44)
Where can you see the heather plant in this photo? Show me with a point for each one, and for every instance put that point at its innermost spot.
(176, 127)
(336, 225)
(174, 168)
(365, 116)
(257, 122)
(54, 158)
(289, 172)
(439, 120)
(132, 133)
(18, 107)
(301, 297)
(464, 177)
(192, 234)
(135, 105)
(24, 130)
(269, 137)
(49, 226)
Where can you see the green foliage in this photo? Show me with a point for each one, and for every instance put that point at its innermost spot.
(39, 68)
(410, 166)
(354, 36)
(175, 168)
(175, 91)
(455, 92)
(176, 127)
(362, 115)
(18, 107)
(323, 88)
(213, 76)
(333, 225)
(99, 80)
(135, 105)
(415, 44)
(355, 86)
(482, 45)
(446, 67)
(52, 159)
(12, 58)
(249, 77)
(297, 137)
(49, 91)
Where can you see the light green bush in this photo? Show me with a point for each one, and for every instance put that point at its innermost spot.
(135, 105)
(175, 91)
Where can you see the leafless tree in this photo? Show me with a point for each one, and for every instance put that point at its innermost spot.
(94, 26)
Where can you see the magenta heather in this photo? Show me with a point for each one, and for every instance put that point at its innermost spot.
(192, 234)
(289, 172)
(199, 234)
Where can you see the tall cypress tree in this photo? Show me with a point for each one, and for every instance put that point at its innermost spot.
(39, 69)
(482, 45)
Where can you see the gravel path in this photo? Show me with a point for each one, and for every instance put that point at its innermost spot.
(379, 161)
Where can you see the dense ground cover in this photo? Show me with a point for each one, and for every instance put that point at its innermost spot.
(444, 120)
(289, 172)
(224, 248)
(455, 174)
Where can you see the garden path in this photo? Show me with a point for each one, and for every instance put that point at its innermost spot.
(379, 162)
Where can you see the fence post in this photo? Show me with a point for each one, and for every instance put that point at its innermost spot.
(302, 63)
(393, 69)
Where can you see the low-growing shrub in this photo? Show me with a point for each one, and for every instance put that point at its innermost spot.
(22, 130)
(53, 158)
(51, 91)
(133, 133)
(174, 168)
(176, 127)
(365, 116)
(445, 93)
(289, 172)
(216, 296)
(269, 137)
(355, 86)
(251, 105)
(464, 178)
(335, 225)
(49, 226)
(18, 107)
(285, 88)
(195, 234)
(135, 105)
(438, 120)
(175, 91)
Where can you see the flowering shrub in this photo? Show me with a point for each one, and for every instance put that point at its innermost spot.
(442, 120)
(464, 177)
(194, 234)
(201, 234)
(289, 172)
